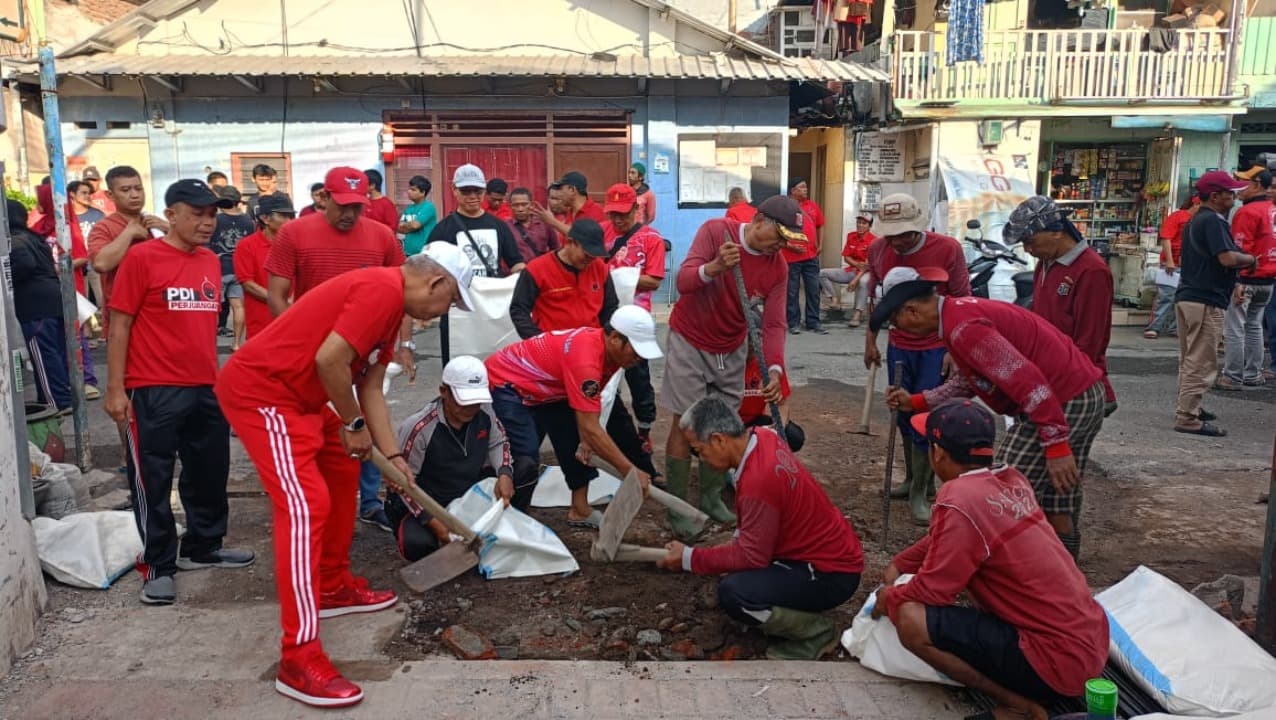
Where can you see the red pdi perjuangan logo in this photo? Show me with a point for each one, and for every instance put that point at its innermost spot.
(201, 299)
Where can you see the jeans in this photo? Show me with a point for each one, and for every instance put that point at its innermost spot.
(1243, 335)
(86, 360)
(1163, 320)
(369, 486)
(804, 272)
(790, 584)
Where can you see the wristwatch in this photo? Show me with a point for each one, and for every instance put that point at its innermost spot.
(356, 425)
(408, 344)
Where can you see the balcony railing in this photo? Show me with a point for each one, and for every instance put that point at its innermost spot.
(1065, 67)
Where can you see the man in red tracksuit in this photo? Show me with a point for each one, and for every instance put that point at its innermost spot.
(1018, 364)
(289, 397)
(794, 556)
(161, 368)
(1035, 634)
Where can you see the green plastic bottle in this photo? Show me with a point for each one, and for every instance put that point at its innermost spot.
(1101, 699)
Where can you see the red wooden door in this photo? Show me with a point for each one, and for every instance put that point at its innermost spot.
(518, 165)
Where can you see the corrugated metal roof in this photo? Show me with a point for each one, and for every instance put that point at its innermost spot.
(714, 67)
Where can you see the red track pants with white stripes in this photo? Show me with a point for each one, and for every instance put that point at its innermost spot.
(313, 486)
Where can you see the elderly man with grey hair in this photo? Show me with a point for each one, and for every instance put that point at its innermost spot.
(795, 554)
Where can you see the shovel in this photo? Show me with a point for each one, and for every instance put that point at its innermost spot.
(897, 377)
(868, 401)
(450, 561)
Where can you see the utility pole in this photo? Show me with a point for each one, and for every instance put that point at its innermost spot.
(70, 314)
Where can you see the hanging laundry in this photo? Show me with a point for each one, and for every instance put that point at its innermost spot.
(965, 31)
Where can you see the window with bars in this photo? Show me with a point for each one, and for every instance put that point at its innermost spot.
(242, 165)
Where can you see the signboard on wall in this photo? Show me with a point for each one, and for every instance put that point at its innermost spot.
(879, 157)
(986, 188)
(709, 165)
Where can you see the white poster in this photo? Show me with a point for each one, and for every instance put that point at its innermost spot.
(986, 188)
(879, 157)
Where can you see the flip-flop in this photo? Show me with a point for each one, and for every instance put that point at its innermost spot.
(1206, 429)
(593, 522)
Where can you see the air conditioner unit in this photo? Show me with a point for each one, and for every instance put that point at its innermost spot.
(796, 33)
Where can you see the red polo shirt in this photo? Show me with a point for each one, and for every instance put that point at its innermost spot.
(1172, 230)
(1074, 293)
(309, 251)
(250, 266)
(555, 366)
(938, 251)
(856, 247)
(590, 209)
(1252, 229)
(741, 212)
(812, 221)
(174, 297)
(383, 211)
(365, 307)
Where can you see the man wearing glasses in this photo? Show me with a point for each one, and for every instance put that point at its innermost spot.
(484, 238)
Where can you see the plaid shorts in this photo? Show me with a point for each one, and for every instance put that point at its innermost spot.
(1021, 448)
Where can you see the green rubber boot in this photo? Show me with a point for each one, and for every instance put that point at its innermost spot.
(900, 492)
(712, 483)
(677, 474)
(801, 635)
(920, 483)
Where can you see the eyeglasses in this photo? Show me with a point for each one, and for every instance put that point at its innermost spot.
(470, 191)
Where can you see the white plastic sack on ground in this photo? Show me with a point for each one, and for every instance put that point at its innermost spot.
(625, 280)
(514, 544)
(487, 328)
(876, 644)
(88, 550)
(1265, 714)
(552, 491)
(1188, 657)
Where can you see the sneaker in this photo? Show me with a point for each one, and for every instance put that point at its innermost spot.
(377, 518)
(316, 682)
(91, 392)
(644, 434)
(356, 598)
(795, 331)
(160, 590)
(818, 330)
(224, 558)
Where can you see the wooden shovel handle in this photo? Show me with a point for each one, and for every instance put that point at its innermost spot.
(677, 505)
(405, 486)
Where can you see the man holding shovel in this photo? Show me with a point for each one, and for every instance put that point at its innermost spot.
(707, 342)
(288, 395)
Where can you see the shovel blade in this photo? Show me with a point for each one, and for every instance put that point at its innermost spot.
(440, 566)
(622, 509)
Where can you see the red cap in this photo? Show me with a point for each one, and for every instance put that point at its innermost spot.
(620, 198)
(1219, 181)
(347, 186)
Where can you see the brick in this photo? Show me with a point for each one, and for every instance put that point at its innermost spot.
(467, 644)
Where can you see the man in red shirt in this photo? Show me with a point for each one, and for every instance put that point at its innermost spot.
(494, 200)
(273, 212)
(632, 243)
(320, 247)
(707, 342)
(1171, 236)
(738, 207)
(1018, 364)
(905, 242)
(1035, 634)
(1252, 229)
(99, 197)
(803, 257)
(305, 399)
(795, 554)
(853, 276)
(551, 384)
(1073, 282)
(380, 207)
(576, 203)
(162, 365)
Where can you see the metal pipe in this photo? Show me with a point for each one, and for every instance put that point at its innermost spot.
(70, 316)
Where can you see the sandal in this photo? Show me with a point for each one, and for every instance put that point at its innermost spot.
(593, 522)
(1206, 429)
(1150, 335)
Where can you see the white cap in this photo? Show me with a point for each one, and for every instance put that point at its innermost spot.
(900, 214)
(468, 176)
(466, 375)
(456, 264)
(639, 327)
(901, 274)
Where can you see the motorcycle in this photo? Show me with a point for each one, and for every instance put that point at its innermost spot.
(995, 268)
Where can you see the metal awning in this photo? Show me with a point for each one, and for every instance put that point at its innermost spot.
(677, 67)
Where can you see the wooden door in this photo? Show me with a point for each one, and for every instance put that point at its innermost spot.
(602, 165)
(518, 165)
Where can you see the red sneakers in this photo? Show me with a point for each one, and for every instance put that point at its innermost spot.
(314, 681)
(356, 598)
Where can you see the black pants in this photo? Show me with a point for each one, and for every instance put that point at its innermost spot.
(991, 646)
(168, 423)
(784, 583)
(638, 378)
(416, 540)
(620, 426)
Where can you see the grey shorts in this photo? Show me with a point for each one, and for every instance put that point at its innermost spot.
(231, 289)
(691, 374)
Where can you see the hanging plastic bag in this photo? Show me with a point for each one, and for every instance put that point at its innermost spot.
(88, 550)
(514, 544)
(625, 280)
(487, 327)
(1189, 658)
(876, 644)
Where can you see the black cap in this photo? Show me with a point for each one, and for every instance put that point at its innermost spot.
(963, 429)
(274, 203)
(230, 192)
(576, 180)
(900, 285)
(195, 193)
(787, 215)
(589, 235)
(498, 186)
